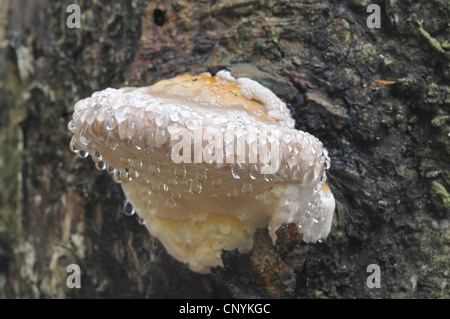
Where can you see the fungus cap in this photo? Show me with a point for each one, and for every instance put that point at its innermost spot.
(205, 160)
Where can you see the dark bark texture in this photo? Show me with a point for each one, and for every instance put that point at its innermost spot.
(388, 141)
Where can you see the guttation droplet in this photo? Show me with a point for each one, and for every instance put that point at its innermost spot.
(113, 145)
(237, 172)
(111, 123)
(201, 176)
(247, 189)
(216, 182)
(180, 171)
(170, 202)
(254, 175)
(71, 126)
(154, 169)
(96, 157)
(176, 195)
(161, 136)
(232, 193)
(101, 166)
(83, 140)
(196, 187)
(125, 161)
(111, 170)
(82, 154)
(72, 145)
(140, 220)
(128, 209)
(136, 164)
(148, 149)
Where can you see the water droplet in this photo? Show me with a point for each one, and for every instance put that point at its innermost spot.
(161, 187)
(196, 187)
(186, 182)
(161, 120)
(136, 164)
(110, 123)
(175, 116)
(176, 195)
(161, 136)
(201, 176)
(83, 140)
(170, 202)
(216, 182)
(146, 191)
(116, 176)
(254, 171)
(148, 149)
(323, 178)
(72, 145)
(112, 145)
(296, 174)
(154, 170)
(238, 172)
(101, 166)
(133, 174)
(137, 142)
(96, 157)
(327, 163)
(125, 161)
(140, 221)
(71, 126)
(111, 170)
(269, 177)
(180, 171)
(192, 124)
(91, 147)
(128, 209)
(173, 181)
(82, 154)
(232, 193)
(125, 175)
(247, 189)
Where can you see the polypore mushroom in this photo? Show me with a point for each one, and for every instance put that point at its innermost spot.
(206, 160)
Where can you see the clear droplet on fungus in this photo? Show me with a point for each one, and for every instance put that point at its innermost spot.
(247, 189)
(128, 209)
(170, 202)
(180, 171)
(201, 176)
(232, 193)
(101, 166)
(216, 182)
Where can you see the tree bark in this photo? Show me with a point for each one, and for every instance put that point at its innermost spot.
(388, 141)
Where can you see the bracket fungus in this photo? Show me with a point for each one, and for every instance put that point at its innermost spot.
(206, 160)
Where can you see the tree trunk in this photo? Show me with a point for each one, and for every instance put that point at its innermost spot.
(388, 141)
